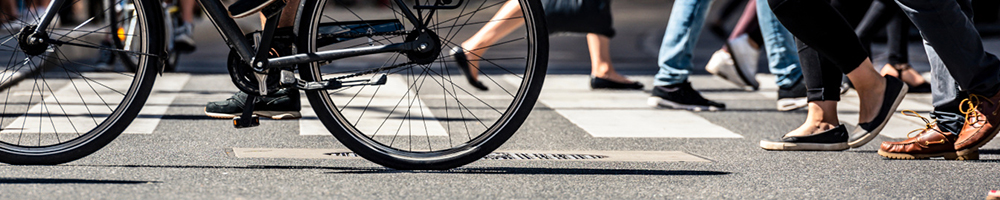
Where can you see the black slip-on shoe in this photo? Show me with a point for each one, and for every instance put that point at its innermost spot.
(830, 140)
(895, 90)
(922, 88)
(682, 96)
(600, 83)
(463, 63)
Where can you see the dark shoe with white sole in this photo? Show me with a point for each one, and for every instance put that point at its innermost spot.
(284, 104)
(682, 96)
(895, 90)
(793, 97)
(830, 140)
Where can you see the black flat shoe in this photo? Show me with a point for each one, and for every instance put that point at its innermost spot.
(463, 64)
(895, 90)
(922, 88)
(830, 140)
(600, 83)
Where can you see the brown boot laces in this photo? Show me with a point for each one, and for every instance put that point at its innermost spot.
(970, 105)
(928, 125)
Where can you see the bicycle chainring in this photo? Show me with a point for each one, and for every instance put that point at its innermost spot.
(244, 77)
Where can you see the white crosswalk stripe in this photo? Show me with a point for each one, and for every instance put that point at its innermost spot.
(601, 113)
(609, 113)
(164, 91)
(388, 96)
(78, 111)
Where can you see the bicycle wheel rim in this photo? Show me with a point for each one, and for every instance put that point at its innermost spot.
(61, 137)
(122, 16)
(482, 142)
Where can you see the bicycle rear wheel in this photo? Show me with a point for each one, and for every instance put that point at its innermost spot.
(58, 105)
(426, 115)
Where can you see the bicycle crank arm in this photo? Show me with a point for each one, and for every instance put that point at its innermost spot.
(288, 79)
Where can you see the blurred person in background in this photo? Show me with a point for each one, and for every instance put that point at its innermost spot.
(736, 64)
(592, 17)
(15, 19)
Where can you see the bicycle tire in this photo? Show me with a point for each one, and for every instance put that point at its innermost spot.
(520, 76)
(71, 93)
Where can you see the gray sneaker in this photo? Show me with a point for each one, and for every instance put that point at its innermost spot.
(184, 38)
(283, 105)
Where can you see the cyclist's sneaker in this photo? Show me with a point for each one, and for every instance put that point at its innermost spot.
(682, 96)
(283, 105)
(184, 38)
(105, 58)
(793, 97)
(244, 8)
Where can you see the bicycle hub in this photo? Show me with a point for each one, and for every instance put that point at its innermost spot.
(30, 43)
(428, 47)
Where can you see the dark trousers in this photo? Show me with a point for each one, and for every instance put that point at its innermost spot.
(959, 64)
(828, 45)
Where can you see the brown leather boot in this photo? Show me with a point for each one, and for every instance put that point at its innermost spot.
(982, 115)
(930, 142)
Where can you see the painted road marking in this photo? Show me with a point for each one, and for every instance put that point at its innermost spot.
(604, 156)
(609, 113)
(78, 107)
(389, 96)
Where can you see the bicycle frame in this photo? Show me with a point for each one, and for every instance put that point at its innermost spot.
(231, 33)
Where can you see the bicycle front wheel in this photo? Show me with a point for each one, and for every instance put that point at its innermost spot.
(59, 103)
(427, 114)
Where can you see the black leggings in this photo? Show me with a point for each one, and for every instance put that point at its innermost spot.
(828, 46)
(887, 14)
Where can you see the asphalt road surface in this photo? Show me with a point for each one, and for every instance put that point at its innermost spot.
(182, 154)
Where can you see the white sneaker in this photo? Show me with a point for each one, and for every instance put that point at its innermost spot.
(745, 57)
(721, 64)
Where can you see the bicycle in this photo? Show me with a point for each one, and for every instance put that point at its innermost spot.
(124, 39)
(381, 82)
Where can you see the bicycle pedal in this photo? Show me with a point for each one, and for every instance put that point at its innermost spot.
(239, 122)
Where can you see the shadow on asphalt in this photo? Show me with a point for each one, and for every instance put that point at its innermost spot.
(475, 170)
(981, 152)
(553, 171)
(4, 181)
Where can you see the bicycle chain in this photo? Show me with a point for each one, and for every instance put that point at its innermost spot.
(372, 71)
(358, 35)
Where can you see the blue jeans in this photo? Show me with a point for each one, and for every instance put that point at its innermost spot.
(779, 46)
(686, 20)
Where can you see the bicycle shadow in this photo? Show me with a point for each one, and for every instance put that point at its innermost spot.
(461, 170)
(8, 181)
(544, 171)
